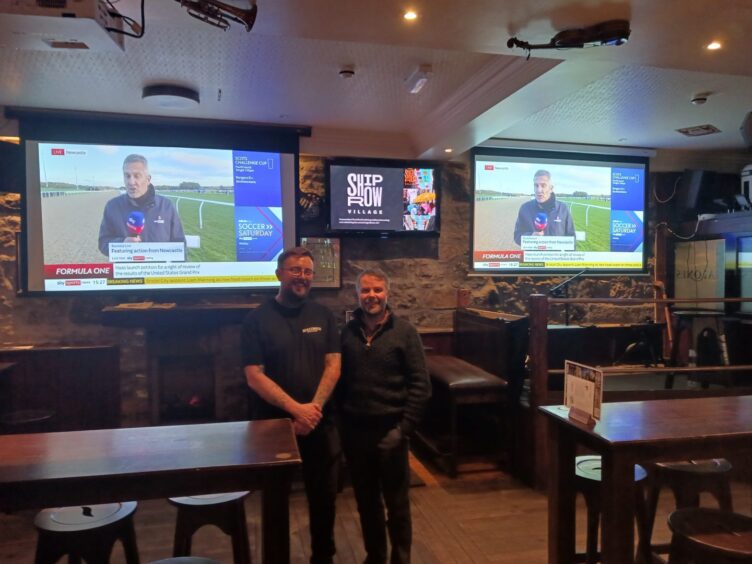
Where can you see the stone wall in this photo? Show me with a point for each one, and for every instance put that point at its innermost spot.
(426, 274)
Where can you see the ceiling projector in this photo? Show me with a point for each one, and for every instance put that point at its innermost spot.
(612, 32)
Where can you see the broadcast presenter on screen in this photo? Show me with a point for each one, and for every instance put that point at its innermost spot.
(544, 215)
(140, 215)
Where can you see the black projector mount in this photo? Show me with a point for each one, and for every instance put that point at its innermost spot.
(612, 32)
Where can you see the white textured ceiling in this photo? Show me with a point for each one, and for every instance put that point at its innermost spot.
(286, 71)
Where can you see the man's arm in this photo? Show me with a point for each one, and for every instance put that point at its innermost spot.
(519, 227)
(417, 382)
(569, 226)
(329, 379)
(306, 414)
(107, 231)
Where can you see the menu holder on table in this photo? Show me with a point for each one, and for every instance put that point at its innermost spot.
(583, 392)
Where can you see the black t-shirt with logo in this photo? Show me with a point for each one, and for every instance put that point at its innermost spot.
(291, 344)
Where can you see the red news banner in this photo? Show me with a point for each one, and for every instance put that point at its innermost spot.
(501, 256)
(57, 271)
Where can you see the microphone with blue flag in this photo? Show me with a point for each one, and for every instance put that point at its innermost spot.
(540, 222)
(135, 223)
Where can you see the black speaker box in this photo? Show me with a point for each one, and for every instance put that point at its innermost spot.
(11, 168)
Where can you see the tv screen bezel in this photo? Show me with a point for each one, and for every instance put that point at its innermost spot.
(578, 155)
(385, 163)
(155, 131)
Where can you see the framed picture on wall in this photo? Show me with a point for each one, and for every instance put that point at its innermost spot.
(327, 259)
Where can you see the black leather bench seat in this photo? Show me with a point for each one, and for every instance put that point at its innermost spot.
(458, 383)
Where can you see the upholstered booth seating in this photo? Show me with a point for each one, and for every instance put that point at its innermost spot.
(457, 384)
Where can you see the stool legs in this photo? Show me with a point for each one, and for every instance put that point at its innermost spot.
(229, 518)
(94, 548)
(593, 505)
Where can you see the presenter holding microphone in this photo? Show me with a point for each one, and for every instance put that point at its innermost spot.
(140, 215)
(544, 215)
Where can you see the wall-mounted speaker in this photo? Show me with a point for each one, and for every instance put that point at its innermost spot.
(11, 168)
(746, 130)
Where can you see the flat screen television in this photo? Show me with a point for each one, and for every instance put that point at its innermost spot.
(539, 212)
(214, 217)
(383, 197)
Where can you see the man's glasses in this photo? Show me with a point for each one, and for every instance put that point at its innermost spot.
(297, 271)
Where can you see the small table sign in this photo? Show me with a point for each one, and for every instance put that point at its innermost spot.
(583, 392)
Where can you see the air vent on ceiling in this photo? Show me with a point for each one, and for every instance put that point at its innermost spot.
(699, 130)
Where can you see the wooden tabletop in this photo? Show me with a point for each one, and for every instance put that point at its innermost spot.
(102, 466)
(666, 420)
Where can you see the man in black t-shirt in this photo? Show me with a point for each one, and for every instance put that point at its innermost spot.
(292, 362)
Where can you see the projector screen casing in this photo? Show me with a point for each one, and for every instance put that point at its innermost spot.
(192, 140)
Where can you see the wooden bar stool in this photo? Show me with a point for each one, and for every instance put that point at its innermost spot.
(86, 533)
(687, 479)
(225, 511)
(587, 471)
(701, 534)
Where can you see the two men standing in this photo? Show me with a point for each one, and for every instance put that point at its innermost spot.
(291, 354)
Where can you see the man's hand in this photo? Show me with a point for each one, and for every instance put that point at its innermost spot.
(135, 239)
(301, 429)
(392, 439)
(308, 414)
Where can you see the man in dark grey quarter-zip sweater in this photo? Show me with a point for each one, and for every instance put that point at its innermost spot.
(383, 391)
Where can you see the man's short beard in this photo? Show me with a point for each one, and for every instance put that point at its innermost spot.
(289, 295)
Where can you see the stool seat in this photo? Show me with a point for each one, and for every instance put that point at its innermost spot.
(87, 532)
(223, 510)
(709, 466)
(687, 479)
(710, 535)
(588, 468)
(208, 499)
(27, 421)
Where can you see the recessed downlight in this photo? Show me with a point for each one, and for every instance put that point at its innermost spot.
(713, 46)
(448, 150)
(410, 15)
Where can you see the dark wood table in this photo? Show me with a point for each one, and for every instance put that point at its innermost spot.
(102, 466)
(630, 433)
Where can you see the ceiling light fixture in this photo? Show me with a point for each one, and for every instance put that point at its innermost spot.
(170, 96)
(713, 46)
(410, 15)
(418, 78)
(448, 150)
